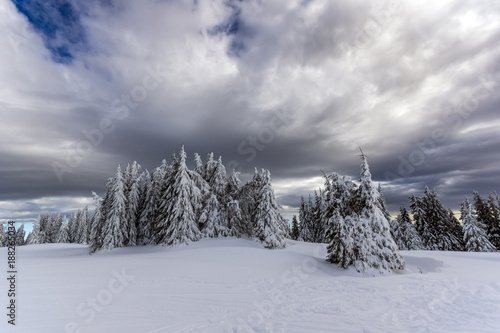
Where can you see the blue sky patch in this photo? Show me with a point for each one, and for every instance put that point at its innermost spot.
(58, 22)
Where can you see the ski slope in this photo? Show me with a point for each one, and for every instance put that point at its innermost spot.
(235, 285)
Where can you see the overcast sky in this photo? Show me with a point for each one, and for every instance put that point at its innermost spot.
(292, 86)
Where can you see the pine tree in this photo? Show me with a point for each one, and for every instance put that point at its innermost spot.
(83, 227)
(73, 227)
(475, 237)
(215, 210)
(132, 203)
(437, 227)
(404, 233)
(53, 228)
(98, 220)
(210, 167)
(63, 236)
(267, 215)
(211, 218)
(199, 168)
(115, 229)
(3, 239)
(306, 234)
(295, 228)
(382, 204)
(180, 224)
(35, 233)
(147, 213)
(318, 225)
(493, 227)
(373, 244)
(339, 235)
(234, 214)
(28, 238)
(20, 233)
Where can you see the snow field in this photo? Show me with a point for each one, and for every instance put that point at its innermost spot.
(235, 285)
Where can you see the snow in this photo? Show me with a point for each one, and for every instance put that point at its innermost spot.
(235, 285)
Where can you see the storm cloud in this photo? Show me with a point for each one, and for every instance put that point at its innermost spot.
(292, 86)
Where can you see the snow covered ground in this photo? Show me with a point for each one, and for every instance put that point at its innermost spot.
(234, 285)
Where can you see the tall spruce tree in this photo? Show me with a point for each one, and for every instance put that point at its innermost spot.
(295, 228)
(145, 227)
(63, 236)
(318, 224)
(266, 214)
(3, 238)
(83, 226)
(305, 216)
(475, 237)
(373, 243)
(20, 234)
(493, 228)
(115, 228)
(180, 224)
(404, 233)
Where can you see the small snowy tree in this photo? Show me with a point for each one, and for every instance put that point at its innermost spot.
(180, 224)
(267, 216)
(493, 227)
(306, 221)
(115, 229)
(339, 236)
(211, 218)
(63, 236)
(20, 233)
(132, 203)
(83, 227)
(3, 239)
(147, 214)
(404, 232)
(295, 228)
(475, 237)
(363, 236)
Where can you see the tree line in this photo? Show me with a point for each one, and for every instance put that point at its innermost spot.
(428, 225)
(170, 206)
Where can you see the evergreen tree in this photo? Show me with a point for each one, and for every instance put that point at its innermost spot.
(211, 218)
(404, 233)
(115, 229)
(373, 244)
(318, 225)
(180, 225)
(475, 237)
(83, 227)
(98, 220)
(199, 168)
(20, 233)
(63, 236)
(267, 215)
(295, 228)
(28, 238)
(493, 227)
(234, 214)
(53, 228)
(147, 213)
(456, 232)
(382, 204)
(339, 234)
(3, 239)
(210, 167)
(35, 233)
(73, 227)
(133, 192)
(306, 234)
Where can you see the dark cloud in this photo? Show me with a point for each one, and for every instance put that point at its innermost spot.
(292, 86)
